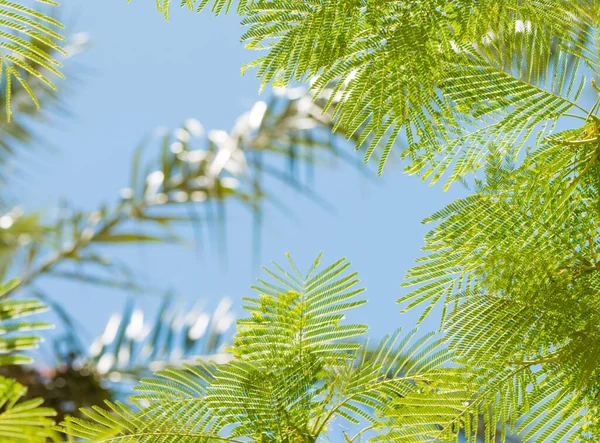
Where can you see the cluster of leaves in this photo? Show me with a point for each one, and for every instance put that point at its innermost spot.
(515, 266)
(17, 121)
(30, 43)
(466, 85)
(427, 73)
(21, 420)
(191, 180)
(296, 373)
(463, 84)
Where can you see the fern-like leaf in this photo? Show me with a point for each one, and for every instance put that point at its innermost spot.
(29, 40)
(294, 374)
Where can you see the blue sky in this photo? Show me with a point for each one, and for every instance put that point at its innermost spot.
(139, 73)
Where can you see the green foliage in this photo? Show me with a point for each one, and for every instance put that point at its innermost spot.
(29, 42)
(20, 421)
(514, 266)
(295, 373)
(24, 421)
(12, 341)
(516, 271)
(18, 134)
(435, 74)
(466, 85)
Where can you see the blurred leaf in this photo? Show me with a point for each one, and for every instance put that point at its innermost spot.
(126, 238)
(11, 341)
(24, 420)
(188, 170)
(131, 346)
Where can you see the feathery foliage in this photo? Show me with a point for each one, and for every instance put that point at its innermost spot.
(20, 421)
(514, 266)
(296, 374)
(448, 78)
(465, 85)
(12, 340)
(29, 42)
(24, 421)
(19, 134)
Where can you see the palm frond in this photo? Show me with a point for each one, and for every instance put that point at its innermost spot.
(190, 178)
